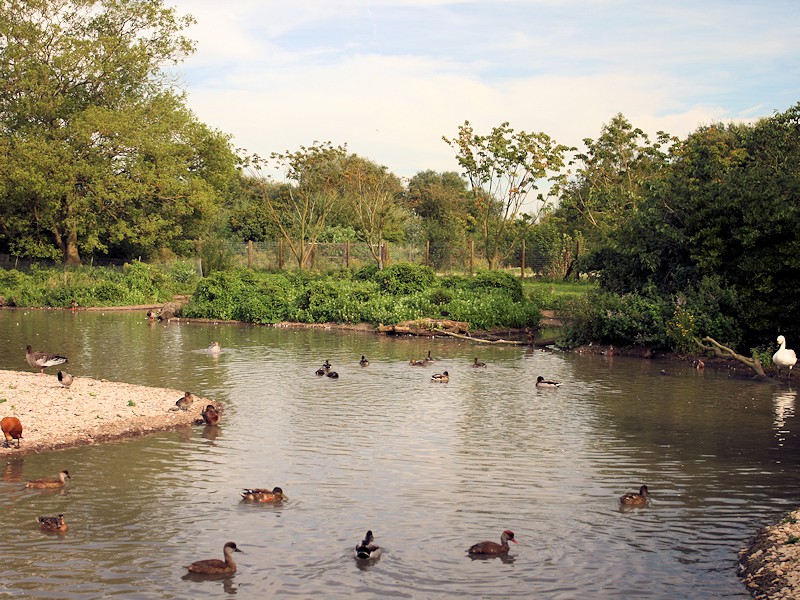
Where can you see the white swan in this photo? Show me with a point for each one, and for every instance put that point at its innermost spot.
(784, 357)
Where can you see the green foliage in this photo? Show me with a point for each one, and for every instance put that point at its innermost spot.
(500, 280)
(135, 283)
(404, 278)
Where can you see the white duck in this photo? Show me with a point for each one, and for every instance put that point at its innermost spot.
(784, 357)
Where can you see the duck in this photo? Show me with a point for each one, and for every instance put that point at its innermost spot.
(367, 549)
(264, 495)
(363, 362)
(541, 382)
(52, 524)
(214, 566)
(42, 360)
(12, 430)
(50, 482)
(634, 499)
(428, 360)
(417, 363)
(442, 377)
(493, 548)
(784, 357)
(65, 378)
(211, 415)
(478, 364)
(332, 374)
(185, 402)
(214, 348)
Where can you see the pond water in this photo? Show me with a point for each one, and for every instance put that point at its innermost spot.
(430, 468)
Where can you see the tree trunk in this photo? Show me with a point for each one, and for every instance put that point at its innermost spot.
(68, 244)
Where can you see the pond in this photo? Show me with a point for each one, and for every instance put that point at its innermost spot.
(429, 468)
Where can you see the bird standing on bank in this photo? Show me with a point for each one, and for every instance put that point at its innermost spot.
(12, 430)
(42, 360)
(784, 357)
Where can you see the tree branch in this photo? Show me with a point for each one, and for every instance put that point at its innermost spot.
(721, 351)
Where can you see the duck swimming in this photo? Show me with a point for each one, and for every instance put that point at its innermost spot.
(214, 348)
(332, 374)
(367, 549)
(417, 363)
(478, 364)
(493, 548)
(211, 415)
(428, 359)
(264, 495)
(42, 360)
(214, 566)
(541, 382)
(50, 482)
(363, 362)
(52, 524)
(442, 377)
(634, 499)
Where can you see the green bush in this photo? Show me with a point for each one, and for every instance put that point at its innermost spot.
(404, 278)
(498, 280)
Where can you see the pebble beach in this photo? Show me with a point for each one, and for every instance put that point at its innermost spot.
(88, 412)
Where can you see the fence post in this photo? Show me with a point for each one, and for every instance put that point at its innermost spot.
(385, 254)
(313, 255)
(522, 266)
(428, 253)
(347, 254)
(280, 254)
(471, 257)
(249, 254)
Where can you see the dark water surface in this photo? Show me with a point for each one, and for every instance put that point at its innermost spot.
(430, 468)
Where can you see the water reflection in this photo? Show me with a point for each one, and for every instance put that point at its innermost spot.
(426, 465)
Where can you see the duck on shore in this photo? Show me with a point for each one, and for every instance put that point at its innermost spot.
(42, 360)
(12, 430)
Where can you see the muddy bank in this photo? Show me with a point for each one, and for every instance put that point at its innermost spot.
(88, 412)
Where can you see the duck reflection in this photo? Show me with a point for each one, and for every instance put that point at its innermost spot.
(13, 469)
(504, 558)
(783, 407)
(211, 432)
(227, 581)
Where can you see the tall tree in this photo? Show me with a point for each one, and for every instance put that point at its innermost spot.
(101, 151)
(503, 169)
(313, 197)
(442, 201)
(371, 193)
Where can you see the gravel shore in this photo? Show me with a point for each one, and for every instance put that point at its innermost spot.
(87, 412)
(770, 565)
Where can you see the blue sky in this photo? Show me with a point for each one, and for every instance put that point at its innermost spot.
(389, 78)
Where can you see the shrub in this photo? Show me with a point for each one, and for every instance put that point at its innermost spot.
(499, 280)
(404, 278)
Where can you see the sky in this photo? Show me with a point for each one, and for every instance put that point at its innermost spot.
(389, 78)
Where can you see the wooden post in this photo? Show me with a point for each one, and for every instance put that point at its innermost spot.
(522, 265)
(385, 254)
(280, 254)
(249, 254)
(471, 257)
(428, 253)
(347, 254)
(313, 254)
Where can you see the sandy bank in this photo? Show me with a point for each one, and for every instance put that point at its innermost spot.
(770, 565)
(89, 411)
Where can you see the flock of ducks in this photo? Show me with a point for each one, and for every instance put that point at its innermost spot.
(366, 549)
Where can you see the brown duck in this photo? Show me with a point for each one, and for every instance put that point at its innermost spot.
(634, 499)
(52, 524)
(50, 482)
(214, 566)
(185, 402)
(264, 495)
(12, 430)
(211, 415)
(493, 548)
(42, 360)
